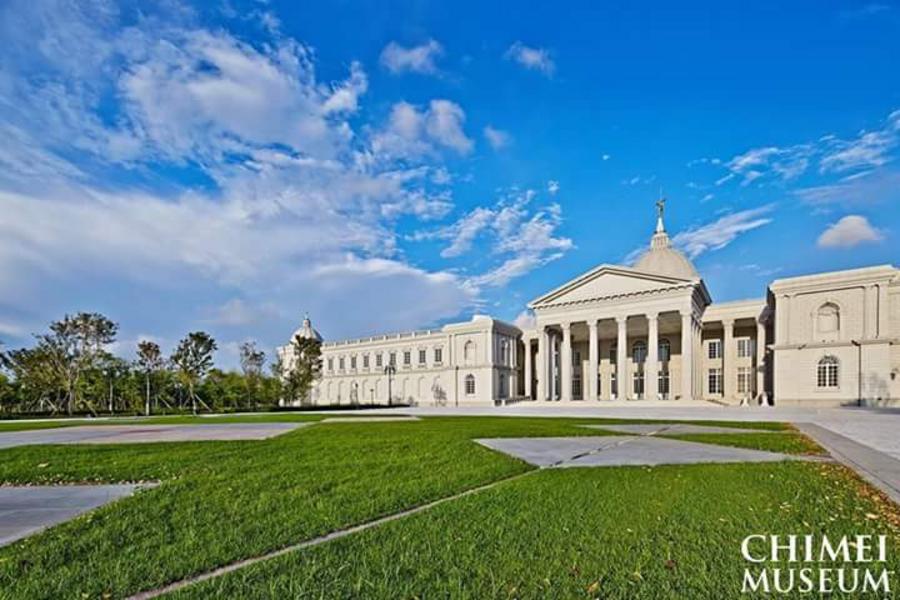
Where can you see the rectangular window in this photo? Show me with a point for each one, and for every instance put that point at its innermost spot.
(353, 362)
(378, 360)
(576, 388)
(423, 355)
(341, 363)
(744, 378)
(637, 381)
(715, 381)
(331, 364)
(613, 355)
(664, 384)
(365, 361)
(576, 358)
(438, 356)
(392, 360)
(407, 358)
(715, 348)
(745, 347)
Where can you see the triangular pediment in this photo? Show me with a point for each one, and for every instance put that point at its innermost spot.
(607, 281)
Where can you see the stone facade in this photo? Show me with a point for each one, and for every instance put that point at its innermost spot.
(647, 332)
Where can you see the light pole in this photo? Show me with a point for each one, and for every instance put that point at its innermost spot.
(389, 370)
(859, 382)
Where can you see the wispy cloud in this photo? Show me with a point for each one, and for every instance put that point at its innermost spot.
(535, 59)
(721, 232)
(415, 59)
(497, 138)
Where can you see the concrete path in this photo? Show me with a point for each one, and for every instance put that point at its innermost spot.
(673, 429)
(27, 510)
(131, 434)
(614, 450)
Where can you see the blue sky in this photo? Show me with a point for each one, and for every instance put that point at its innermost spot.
(227, 166)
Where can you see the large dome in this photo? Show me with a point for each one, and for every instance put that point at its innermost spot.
(306, 331)
(662, 258)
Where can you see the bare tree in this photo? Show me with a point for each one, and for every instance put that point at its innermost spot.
(193, 358)
(252, 363)
(149, 360)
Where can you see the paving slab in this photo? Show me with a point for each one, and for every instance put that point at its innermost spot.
(132, 434)
(673, 429)
(609, 451)
(397, 419)
(25, 510)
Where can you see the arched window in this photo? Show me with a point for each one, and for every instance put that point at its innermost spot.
(828, 318)
(470, 385)
(639, 352)
(828, 372)
(665, 350)
(469, 352)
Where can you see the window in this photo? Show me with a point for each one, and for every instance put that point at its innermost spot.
(353, 362)
(470, 385)
(637, 381)
(827, 372)
(379, 361)
(331, 364)
(469, 352)
(438, 358)
(407, 358)
(576, 358)
(715, 381)
(613, 354)
(576, 388)
(423, 356)
(663, 382)
(715, 348)
(639, 352)
(504, 352)
(392, 359)
(365, 361)
(828, 318)
(665, 350)
(744, 347)
(744, 380)
(613, 385)
(341, 363)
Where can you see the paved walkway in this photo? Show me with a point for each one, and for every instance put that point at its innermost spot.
(132, 434)
(28, 509)
(617, 450)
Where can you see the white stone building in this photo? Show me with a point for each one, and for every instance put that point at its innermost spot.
(648, 332)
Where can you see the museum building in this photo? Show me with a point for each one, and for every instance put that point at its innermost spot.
(645, 332)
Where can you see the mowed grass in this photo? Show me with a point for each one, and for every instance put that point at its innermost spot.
(626, 532)
(223, 501)
(13, 425)
(787, 442)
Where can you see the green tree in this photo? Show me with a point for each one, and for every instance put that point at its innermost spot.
(39, 382)
(74, 345)
(304, 369)
(150, 361)
(193, 359)
(252, 363)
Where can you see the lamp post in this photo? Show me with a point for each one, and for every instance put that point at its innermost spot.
(389, 370)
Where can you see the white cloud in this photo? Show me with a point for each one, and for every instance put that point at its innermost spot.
(536, 59)
(236, 312)
(848, 232)
(525, 320)
(416, 59)
(497, 138)
(413, 133)
(722, 231)
(605, 157)
(869, 149)
(552, 187)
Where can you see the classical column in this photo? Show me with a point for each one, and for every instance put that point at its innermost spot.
(542, 361)
(593, 355)
(651, 365)
(621, 358)
(728, 354)
(687, 358)
(527, 390)
(761, 360)
(566, 363)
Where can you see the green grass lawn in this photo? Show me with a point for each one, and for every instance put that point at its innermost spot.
(222, 501)
(786, 442)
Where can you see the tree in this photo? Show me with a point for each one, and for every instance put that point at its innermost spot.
(252, 363)
(149, 361)
(304, 368)
(193, 358)
(73, 346)
(37, 378)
